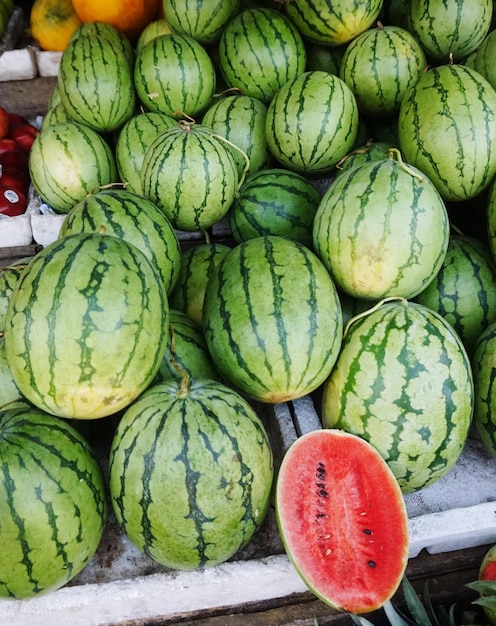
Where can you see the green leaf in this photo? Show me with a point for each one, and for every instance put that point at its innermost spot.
(361, 621)
(484, 587)
(393, 616)
(415, 605)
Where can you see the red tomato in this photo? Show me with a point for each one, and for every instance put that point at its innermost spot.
(14, 178)
(24, 135)
(12, 202)
(15, 119)
(15, 159)
(7, 145)
(4, 123)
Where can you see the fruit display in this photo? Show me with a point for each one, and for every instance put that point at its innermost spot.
(262, 202)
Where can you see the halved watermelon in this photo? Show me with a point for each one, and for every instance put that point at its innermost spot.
(342, 519)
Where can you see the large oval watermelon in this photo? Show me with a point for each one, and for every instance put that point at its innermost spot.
(53, 502)
(272, 319)
(191, 473)
(484, 371)
(447, 129)
(403, 381)
(381, 230)
(86, 327)
(342, 520)
(204, 21)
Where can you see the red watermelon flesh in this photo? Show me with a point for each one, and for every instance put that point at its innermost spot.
(342, 519)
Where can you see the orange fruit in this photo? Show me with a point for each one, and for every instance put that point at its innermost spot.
(129, 16)
(52, 23)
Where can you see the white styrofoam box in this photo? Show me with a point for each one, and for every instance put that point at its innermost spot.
(18, 64)
(456, 512)
(15, 231)
(47, 62)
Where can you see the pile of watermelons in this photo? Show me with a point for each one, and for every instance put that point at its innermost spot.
(350, 148)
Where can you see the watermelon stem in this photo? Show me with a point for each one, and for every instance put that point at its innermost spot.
(394, 153)
(371, 310)
(245, 156)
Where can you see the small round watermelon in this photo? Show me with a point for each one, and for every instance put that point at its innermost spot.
(342, 519)
(312, 122)
(403, 381)
(53, 502)
(484, 371)
(191, 473)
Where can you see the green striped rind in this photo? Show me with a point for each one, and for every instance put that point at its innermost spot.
(86, 326)
(449, 28)
(197, 263)
(8, 389)
(379, 66)
(483, 58)
(403, 381)
(133, 218)
(371, 151)
(275, 202)
(152, 30)
(333, 24)
(272, 319)
(447, 128)
(191, 175)
(190, 473)
(312, 122)
(8, 279)
(381, 231)
(133, 141)
(202, 21)
(67, 161)
(107, 31)
(186, 352)
(55, 115)
(53, 502)
(259, 51)
(174, 74)
(241, 120)
(484, 371)
(96, 83)
(464, 290)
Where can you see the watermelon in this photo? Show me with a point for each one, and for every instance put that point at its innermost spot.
(483, 58)
(486, 584)
(174, 74)
(86, 326)
(191, 472)
(483, 367)
(128, 215)
(464, 290)
(241, 120)
(447, 28)
(323, 57)
(381, 229)
(312, 122)
(111, 33)
(96, 83)
(55, 115)
(259, 51)
(379, 66)
(9, 392)
(403, 381)
(67, 161)
(154, 29)
(196, 265)
(53, 502)
(342, 519)
(202, 21)
(275, 201)
(333, 23)
(190, 173)
(371, 151)
(447, 129)
(9, 275)
(272, 319)
(490, 214)
(186, 353)
(133, 140)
